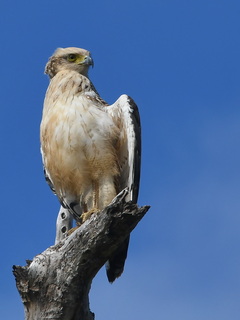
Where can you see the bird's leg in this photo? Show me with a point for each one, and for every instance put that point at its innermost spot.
(95, 202)
(107, 191)
(87, 215)
(96, 194)
(104, 192)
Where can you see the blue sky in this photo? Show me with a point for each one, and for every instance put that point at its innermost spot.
(179, 60)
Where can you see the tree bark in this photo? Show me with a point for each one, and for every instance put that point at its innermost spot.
(56, 284)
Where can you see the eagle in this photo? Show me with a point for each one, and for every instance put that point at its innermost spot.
(91, 150)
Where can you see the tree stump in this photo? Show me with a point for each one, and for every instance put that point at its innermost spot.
(56, 283)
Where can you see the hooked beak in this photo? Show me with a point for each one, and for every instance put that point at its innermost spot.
(88, 61)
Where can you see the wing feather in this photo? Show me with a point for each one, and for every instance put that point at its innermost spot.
(125, 111)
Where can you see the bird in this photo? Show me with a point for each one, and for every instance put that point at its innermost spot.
(91, 150)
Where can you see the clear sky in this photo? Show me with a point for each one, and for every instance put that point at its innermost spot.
(179, 60)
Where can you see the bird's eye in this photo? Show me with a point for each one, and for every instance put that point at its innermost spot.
(72, 57)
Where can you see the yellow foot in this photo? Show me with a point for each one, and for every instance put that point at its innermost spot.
(87, 215)
(75, 228)
(72, 230)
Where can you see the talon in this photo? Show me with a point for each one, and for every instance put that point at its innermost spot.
(72, 230)
(87, 215)
(78, 224)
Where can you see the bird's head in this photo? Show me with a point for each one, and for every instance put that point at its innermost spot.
(75, 59)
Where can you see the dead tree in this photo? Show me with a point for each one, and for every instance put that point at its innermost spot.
(56, 283)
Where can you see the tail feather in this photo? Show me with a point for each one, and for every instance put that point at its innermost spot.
(115, 265)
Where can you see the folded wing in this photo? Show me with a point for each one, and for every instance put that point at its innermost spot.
(125, 112)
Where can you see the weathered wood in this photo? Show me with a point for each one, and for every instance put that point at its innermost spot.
(56, 284)
(63, 224)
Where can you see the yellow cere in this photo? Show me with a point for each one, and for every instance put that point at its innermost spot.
(75, 58)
